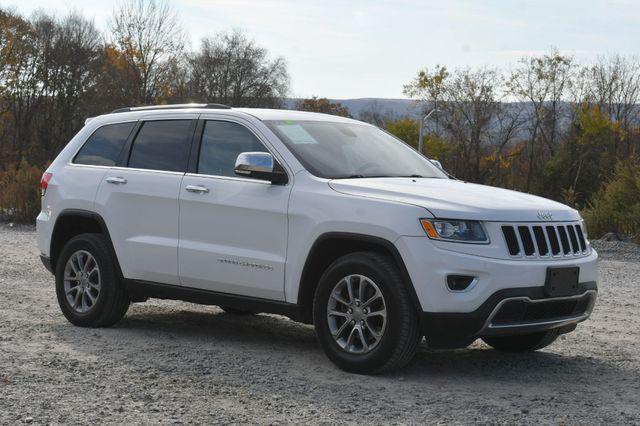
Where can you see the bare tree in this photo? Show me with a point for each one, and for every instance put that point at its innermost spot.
(149, 36)
(543, 82)
(67, 69)
(614, 85)
(471, 116)
(376, 115)
(231, 69)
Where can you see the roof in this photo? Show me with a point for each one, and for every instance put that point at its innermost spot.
(285, 114)
(259, 113)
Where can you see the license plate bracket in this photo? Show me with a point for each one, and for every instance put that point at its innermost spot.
(562, 281)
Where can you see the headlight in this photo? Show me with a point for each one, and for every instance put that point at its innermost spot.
(465, 231)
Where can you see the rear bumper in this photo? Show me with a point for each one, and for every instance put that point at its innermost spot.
(509, 312)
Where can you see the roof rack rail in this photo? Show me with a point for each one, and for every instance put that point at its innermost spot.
(174, 106)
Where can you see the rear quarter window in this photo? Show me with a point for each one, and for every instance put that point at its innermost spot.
(104, 146)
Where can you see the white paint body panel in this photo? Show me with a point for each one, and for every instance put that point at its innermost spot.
(142, 217)
(233, 239)
(454, 199)
(263, 233)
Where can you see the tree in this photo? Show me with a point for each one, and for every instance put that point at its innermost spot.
(407, 129)
(586, 158)
(375, 115)
(543, 82)
(471, 117)
(323, 105)
(18, 82)
(616, 207)
(231, 69)
(428, 87)
(67, 69)
(149, 36)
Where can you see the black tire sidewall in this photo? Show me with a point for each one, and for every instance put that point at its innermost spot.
(94, 245)
(387, 282)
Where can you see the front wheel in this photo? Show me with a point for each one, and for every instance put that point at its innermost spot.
(363, 316)
(522, 342)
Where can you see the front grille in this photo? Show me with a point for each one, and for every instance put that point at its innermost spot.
(517, 311)
(555, 240)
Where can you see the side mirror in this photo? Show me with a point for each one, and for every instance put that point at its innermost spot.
(436, 163)
(260, 165)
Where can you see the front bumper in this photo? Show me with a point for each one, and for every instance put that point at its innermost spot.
(428, 267)
(509, 312)
(506, 297)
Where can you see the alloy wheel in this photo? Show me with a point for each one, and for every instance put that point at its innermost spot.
(82, 281)
(357, 314)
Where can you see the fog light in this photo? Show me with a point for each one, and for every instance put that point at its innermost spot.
(459, 282)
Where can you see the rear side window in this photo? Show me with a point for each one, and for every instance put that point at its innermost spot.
(104, 145)
(222, 142)
(161, 145)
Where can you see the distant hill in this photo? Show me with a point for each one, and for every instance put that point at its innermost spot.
(394, 107)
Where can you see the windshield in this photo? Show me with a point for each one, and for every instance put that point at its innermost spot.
(335, 150)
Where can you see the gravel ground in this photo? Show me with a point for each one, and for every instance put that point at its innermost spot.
(617, 250)
(178, 362)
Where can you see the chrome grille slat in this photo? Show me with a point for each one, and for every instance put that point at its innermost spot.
(544, 240)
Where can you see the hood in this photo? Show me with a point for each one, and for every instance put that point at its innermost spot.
(454, 199)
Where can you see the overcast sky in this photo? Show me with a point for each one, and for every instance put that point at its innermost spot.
(370, 48)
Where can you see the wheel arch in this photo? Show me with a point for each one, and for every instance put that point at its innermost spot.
(73, 222)
(329, 247)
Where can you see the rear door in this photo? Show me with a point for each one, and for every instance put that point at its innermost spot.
(139, 199)
(233, 230)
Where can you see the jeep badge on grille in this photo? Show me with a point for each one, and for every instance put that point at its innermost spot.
(545, 216)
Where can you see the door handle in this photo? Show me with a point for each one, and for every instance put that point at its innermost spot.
(116, 180)
(197, 189)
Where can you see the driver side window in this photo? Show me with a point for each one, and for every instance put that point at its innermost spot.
(222, 142)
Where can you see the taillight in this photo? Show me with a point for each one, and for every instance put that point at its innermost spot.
(44, 182)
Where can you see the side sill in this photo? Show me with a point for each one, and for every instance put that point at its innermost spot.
(144, 289)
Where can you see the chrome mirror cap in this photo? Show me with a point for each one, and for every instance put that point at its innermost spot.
(249, 162)
(260, 165)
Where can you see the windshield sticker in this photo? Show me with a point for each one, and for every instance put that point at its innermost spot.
(297, 134)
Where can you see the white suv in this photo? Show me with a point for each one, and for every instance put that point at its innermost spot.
(323, 219)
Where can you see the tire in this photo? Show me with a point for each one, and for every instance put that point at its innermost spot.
(523, 342)
(234, 311)
(92, 306)
(398, 334)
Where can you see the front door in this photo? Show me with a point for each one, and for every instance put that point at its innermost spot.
(233, 230)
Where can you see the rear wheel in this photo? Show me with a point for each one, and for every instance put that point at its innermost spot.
(89, 291)
(363, 316)
(522, 342)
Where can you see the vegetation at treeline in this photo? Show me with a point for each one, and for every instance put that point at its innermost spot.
(551, 126)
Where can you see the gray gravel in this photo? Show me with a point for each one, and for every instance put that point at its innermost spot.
(617, 250)
(178, 362)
